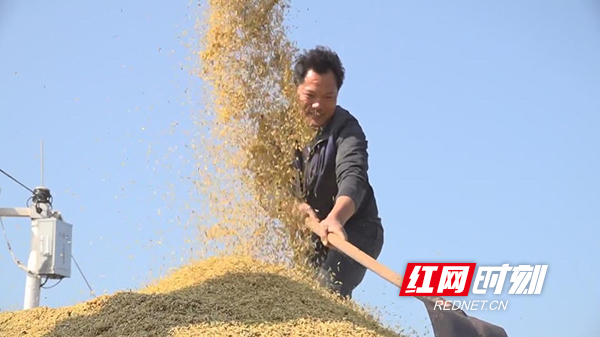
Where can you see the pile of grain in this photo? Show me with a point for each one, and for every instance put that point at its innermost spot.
(226, 296)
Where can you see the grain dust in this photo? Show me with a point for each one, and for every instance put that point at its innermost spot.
(248, 131)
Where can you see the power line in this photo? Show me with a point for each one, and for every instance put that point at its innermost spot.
(52, 286)
(85, 279)
(15, 180)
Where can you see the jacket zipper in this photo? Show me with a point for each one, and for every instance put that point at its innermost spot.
(311, 151)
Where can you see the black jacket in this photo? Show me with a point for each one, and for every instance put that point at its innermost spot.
(335, 164)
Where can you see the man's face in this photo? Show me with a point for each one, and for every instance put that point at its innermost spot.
(318, 97)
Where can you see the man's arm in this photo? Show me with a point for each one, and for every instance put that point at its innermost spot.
(343, 209)
(351, 172)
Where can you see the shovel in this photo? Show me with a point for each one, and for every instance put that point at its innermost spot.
(446, 323)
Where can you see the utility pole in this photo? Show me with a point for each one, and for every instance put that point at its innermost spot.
(50, 247)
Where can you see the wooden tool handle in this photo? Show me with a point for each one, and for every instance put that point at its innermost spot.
(357, 254)
(364, 259)
(361, 257)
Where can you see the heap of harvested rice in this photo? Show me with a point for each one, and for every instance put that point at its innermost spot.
(227, 296)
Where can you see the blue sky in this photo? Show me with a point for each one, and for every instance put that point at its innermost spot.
(481, 117)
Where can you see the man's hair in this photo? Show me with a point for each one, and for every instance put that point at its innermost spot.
(320, 59)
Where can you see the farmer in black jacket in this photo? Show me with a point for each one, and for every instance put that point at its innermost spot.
(332, 170)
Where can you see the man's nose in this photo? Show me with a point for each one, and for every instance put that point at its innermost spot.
(316, 105)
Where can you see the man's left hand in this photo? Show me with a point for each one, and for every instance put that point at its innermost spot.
(333, 226)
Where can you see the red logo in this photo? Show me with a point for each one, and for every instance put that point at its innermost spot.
(437, 279)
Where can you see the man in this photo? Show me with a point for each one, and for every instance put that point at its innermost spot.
(333, 177)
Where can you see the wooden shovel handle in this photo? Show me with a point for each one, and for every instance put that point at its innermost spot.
(357, 254)
(364, 259)
(361, 257)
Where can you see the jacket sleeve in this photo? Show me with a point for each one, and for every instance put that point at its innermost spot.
(351, 163)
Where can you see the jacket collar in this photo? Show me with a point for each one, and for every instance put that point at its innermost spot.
(339, 117)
